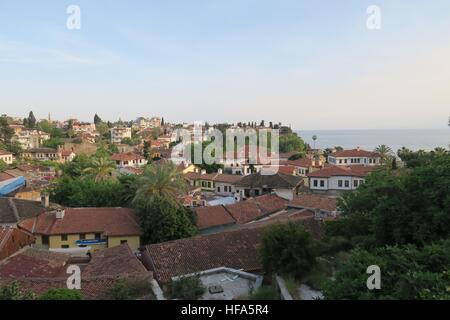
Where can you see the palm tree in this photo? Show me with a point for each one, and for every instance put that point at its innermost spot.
(385, 152)
(102, 168)
(314, 139)
(161, 180)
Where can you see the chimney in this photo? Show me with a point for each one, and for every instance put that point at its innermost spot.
(220, 171)
(45, 200)
(60, 214)
(203, 171)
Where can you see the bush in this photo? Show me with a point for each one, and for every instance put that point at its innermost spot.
(288, 249)
(13, 291)
(265, 293)
(189, 288)
(127, 289)
(61, 294)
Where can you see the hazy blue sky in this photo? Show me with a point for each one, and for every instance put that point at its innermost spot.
(312, 64)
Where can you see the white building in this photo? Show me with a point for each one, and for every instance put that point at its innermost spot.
(30, 139)
(338, 178)
(120, 133)
(6, 156)
(129, 159)
(354, 157)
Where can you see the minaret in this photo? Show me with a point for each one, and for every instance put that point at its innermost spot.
(49, 118)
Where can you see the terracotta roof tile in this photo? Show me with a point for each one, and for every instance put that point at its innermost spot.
(214, 216)
(110, 221)
(315, 201)
(237, 249)
(354, 153)
(342, 171)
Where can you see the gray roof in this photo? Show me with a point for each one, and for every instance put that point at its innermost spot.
(276, 181)
(14, 210)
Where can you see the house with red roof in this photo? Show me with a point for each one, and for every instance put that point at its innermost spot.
(6, 156)
(354, 157)
(128, 159)
(90, 228)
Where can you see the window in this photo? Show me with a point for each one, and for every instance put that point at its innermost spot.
(123, 241)
(65, 246)
(45, 240)
(218, 189)
(64, 237)
(98, 236)
(82, 236)
(340, 183)
(355, 183)
(315, 183)
(322, 183)
(347, 183)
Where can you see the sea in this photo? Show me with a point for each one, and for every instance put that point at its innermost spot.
(414, 139)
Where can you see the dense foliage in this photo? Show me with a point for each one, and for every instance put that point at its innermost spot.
(61, 294)
(291, 142)
(130, 289)
(399, 207)
(188, 288)
(287, 249)
(13, 291)
(409, 273)
(400, 221)
(164, 220)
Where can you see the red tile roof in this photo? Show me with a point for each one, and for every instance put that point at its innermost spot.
(287, 169)
(66, 153)
(342, 171)
(315, 201)
(5, 153)
(215, 216)
(5, 176)
(126, 156)
(354, 153)
(256, 208)
(40, 270)
(237, 249)
(12, 240)
(234, 249)
(34, 263)
(110, 221)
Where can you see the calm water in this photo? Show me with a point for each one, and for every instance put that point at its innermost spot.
(426, 139)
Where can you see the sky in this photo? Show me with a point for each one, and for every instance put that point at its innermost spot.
(308, 64)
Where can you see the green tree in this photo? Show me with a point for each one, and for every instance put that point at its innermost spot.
(31, 120)
(3, 165)
(146, 150)
(97, 119)
(163, 220)
(162, 180)
(61, 294)
(407, 273)
(385, 153)
(6, 132)
(128, 289)
(13, 291)
(401, 207)
(290, 143)
(102, 128)
(188, 288)
(287, 249)
(101, 168)
(45, 125)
